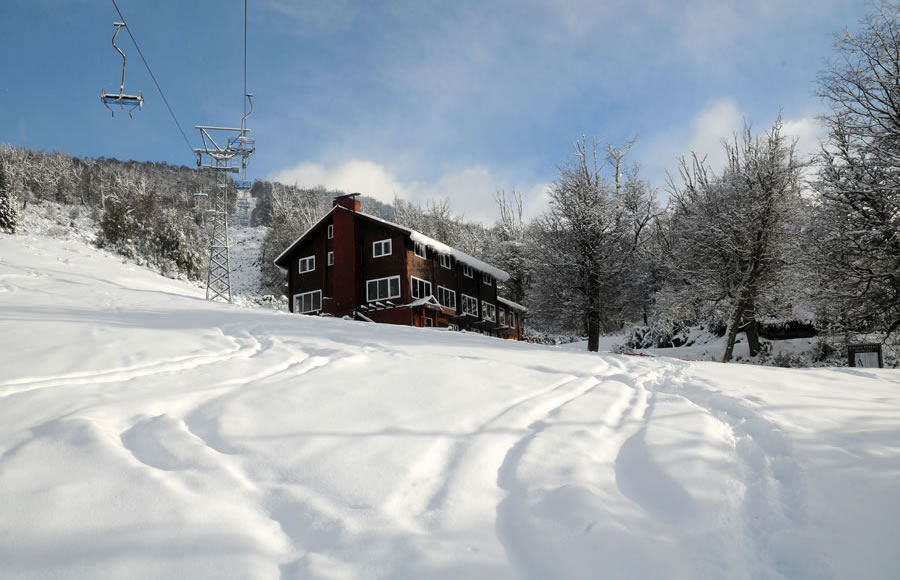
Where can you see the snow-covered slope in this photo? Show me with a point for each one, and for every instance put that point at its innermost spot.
(245, 244)
(147, 433)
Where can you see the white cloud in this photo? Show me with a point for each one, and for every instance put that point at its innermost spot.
(535, 200)
(356, 175)
(470, 190)
(719, 120)
(703, 135)
(808, 132)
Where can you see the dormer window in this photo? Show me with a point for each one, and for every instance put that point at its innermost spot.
(467, 271)
(381, 248)
(420, 250)
(487, 279)
(446, 261)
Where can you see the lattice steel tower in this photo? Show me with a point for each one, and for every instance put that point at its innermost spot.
(228, 154)
(228, 157)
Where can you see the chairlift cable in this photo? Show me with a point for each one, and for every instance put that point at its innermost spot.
(152, 76)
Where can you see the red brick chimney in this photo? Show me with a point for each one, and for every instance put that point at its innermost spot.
(349, 201)
(345, 294)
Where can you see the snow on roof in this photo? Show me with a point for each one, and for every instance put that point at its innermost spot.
(511, 304)
(424, 301)
(459, 256)
(442, 248)
(415, 236)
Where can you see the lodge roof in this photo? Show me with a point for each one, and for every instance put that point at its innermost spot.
(511, 304)
(415, 236)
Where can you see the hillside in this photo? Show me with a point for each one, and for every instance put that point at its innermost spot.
(147, 433)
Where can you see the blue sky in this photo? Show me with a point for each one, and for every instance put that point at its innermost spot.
(420, 99)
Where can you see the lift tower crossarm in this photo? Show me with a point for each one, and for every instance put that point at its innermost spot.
(213, 128)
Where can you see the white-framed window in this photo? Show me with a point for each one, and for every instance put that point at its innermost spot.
(446, 261)
(420, 250)
(487, 278)
(383, 288)
(331, 258)
(470, 305)
(381, 248)
(420, 288)
(307, 264)
(488, 310)
(467, 271)
(331, 232)
(308, 302)
(429, 322)
(446, 297)
(502, 317)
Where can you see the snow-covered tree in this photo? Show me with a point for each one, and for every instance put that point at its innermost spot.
(858, 225)
(510, 249)
(586, 243)
(9, 214)
(730, 233)
(293, 211)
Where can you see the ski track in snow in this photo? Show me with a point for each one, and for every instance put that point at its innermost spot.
(773, 508)
(245, 346)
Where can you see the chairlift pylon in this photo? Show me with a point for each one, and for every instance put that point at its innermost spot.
(121, 99)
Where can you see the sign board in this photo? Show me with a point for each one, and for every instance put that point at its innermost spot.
(865, 355)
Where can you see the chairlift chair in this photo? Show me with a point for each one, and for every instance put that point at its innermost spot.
(242, 145)
(121, 99)
(199, 198)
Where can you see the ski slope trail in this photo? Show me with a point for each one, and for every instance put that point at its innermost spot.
(147, 433)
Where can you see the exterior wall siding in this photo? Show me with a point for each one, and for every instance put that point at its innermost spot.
(371, 268)
(314, 245)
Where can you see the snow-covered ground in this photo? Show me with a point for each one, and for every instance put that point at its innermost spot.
(147, 433)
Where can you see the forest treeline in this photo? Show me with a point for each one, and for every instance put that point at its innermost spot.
(767, 244)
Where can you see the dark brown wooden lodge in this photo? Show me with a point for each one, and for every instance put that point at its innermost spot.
(357, 265)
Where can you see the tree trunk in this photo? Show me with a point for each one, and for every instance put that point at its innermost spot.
(750, 327)
(593, 328)
(732, 332)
